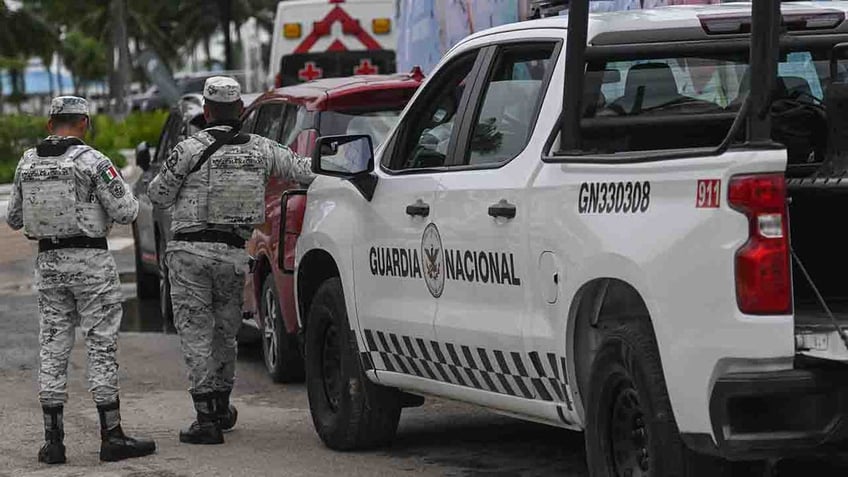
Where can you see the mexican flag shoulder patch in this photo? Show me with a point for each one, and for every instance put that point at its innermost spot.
(107, 172)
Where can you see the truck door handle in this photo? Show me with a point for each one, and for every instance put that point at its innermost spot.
(419, 208)
(502, 209)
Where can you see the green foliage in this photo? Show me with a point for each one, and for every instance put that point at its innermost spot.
(109, 136)
(20, 132)
(85, 57)
(17, 134)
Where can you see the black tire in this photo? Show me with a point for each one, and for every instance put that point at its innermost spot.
(349, 411)
(146, 284)
(630, 428)
(280, 349)
(166, 308)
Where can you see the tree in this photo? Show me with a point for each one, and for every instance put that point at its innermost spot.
(23, 34)
(85, 57)
(114, 23)
(200, 19)
(120, 45)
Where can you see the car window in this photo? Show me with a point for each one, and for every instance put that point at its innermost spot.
(270, 121)
(691, 85)
(425, 135)
(169, 138)
(289, 121)
(163, 139)
(512, 94)
(376, 123)
(691, 101)
(250, 121)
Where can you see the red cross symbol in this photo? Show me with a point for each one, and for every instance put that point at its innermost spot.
(365, 68)
(310, 72)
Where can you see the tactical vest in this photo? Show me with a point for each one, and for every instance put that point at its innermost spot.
(234, 192)
(51, 207)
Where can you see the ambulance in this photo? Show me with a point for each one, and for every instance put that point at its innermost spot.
(332, 38)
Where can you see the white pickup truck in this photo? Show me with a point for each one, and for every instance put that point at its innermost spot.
(637, 284)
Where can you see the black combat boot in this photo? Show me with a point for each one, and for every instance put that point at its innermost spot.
(53, 450)
(206, 429)
(227, 413)
(114, 444)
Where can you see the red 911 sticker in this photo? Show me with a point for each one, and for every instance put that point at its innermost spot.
(709, 191)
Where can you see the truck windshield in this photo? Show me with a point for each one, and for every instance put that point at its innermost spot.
(377, 124)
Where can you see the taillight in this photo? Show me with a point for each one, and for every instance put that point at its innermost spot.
(278, 80)
(763, 279)
(304, 144)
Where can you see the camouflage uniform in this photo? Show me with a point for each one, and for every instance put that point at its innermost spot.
(77, 286)
(67, 195)
(207, 279)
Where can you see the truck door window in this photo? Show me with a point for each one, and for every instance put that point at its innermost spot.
(687, 102)
(425, 134)
(270, 121)
(640, 105)
(513, 91)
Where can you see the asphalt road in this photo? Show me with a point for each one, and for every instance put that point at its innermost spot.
(274, 435)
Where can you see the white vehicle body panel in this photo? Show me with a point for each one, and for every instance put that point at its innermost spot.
(679, 258)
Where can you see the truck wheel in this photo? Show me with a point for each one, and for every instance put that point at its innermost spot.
(282, 357)
(349, 411)
(630, 427)
(146, 284)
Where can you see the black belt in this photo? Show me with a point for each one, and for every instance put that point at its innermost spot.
(45, 245)
(211, 236)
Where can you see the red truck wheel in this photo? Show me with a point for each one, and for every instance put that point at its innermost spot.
(282, 356)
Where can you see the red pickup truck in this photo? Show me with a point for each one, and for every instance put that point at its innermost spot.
(297, 116)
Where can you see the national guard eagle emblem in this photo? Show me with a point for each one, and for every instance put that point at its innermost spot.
(434, 259)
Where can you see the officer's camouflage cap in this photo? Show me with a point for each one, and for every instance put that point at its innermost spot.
(222, 89)
(69, 105)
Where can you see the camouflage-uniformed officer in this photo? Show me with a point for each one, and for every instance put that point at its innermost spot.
(215, 181)
(66, 195)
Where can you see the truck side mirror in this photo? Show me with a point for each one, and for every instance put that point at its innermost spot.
(348, 157)
(344, 156)
(142, 155)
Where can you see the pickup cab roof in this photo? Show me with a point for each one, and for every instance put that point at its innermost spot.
(688, 23)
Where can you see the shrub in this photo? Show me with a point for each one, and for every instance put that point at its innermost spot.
(20, 132)
(17, 134)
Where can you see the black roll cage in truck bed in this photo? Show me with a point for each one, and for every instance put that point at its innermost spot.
(765, 42)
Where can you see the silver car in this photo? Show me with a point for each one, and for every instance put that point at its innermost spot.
(151, 230)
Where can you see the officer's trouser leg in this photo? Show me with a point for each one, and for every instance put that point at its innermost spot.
(191, 295)
(58, 316)
(99, 307)
(227, 299)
